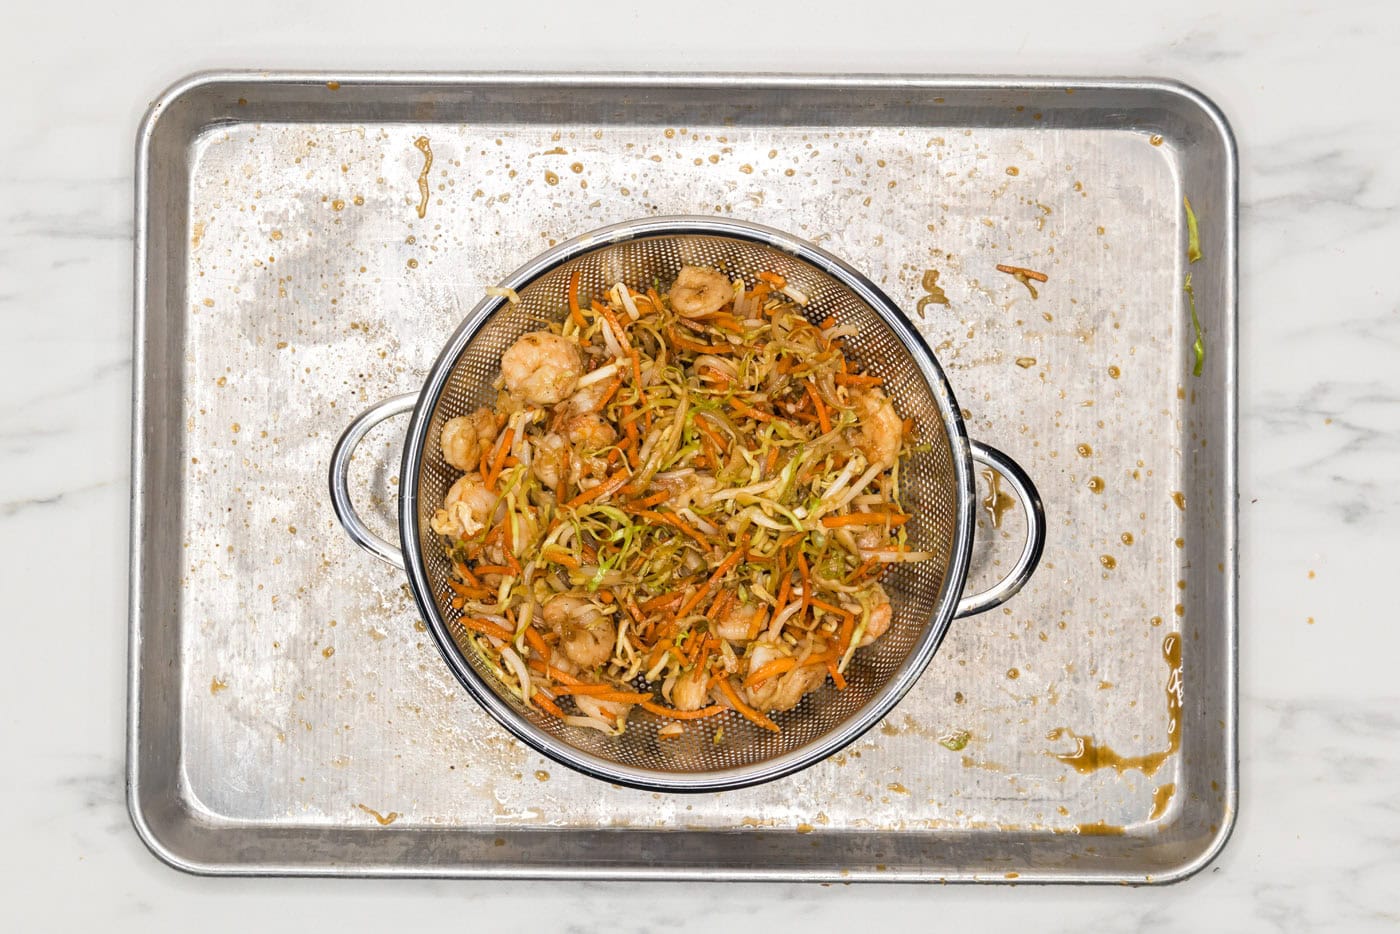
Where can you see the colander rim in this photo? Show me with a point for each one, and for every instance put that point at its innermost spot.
(883, 701)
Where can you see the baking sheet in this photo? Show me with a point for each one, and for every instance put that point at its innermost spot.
(290, 715)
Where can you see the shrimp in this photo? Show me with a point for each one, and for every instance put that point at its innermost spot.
(700, 292)
(468, 508)
(734, 623)
(689, 692)
(881, 615)
(781, 692)
(585, 635)
(582, 402)
(542, 368)
(466, 436)
(551, 460)
(589, 432)
(880, 431)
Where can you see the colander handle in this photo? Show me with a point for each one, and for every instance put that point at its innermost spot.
(1025, 491)
(340, 478)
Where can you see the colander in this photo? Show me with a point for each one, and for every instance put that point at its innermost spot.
(937, 484)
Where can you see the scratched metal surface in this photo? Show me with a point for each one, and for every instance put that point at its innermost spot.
(290, 715)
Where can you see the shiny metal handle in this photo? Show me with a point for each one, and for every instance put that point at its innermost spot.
(1016, 578)
(340, 478)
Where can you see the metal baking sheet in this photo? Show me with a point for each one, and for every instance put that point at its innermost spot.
(290, 716)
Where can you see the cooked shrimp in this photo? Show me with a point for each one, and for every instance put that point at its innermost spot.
(589, 432)
(700, 291)
(881, 615)
(585, 634)
(468, 508)
(780, 692)
(542, 368)
(734, 622)
(551, 460)
(466, 436)
(583, 401)
(689, 692)
(880, 431)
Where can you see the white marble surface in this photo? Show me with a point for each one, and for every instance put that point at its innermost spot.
(1307, 87)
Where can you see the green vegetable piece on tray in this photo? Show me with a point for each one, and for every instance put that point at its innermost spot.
(1193, 234)
(1199, 347)
(956, 740)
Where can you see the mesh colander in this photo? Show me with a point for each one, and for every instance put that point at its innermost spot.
(938, 486)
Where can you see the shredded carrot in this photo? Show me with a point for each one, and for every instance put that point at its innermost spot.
(744, 709)
(619, 334)
(719, 439)
(865, 518)
(1023, 271)
(559, 556)
(837, 678)
(724, 567)
(677, 522)
(770, 461)
(830, 607)
(777, 280)
(608, 486)
(536, 642)
(756, 625)
(574, 311)
(720, 605)
(547, 705)
(613, 385)
(498, 464)
(743, 408)
(604, 692)
(853, 379)
(655, 499)
(674, 714)
(686, 343)
(500, 569)
(487, 627)
(776, 667)
(665, 599)
(550, 672)
(821, 407)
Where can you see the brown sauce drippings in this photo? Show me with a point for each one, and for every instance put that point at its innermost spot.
(1090, 756)
(1161, 797)
(423, 146)
(996, 502)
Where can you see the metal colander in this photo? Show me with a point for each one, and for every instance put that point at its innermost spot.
(937, 485)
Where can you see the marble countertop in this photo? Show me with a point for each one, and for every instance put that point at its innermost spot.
(1317, 844)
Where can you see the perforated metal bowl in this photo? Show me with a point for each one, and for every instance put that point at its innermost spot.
(937, 484)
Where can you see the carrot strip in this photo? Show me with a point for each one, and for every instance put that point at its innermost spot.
(603, 692)
(770, 461)
(574, 311)
(1021, 270)
(720, 605)
(665, 599)
(536, 642)
(610, 485)
(618, 334)
(806, 581)
(865, 518)
(720, 441)
(676, 522)
(547, 705)
(487, 627)
(550, 672)
(829, 607)
(821, 407)
(613, 386)
(724, 568)
(747, 712)
(756, 625)
(852, 379)
(743, 408)
(686, 343)
(498, 463)
(675, 714)
(837, 678)
(776, 667)
(777, 280)
(654, 499)
(558, 555)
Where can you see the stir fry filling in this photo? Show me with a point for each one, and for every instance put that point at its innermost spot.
(682, 501)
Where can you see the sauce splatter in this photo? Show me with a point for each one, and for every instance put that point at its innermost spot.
(1090, 756)
(215, 686)
(425, 147)
(935, 296)
(996, 502)
(384, 819)
(1025, 363)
